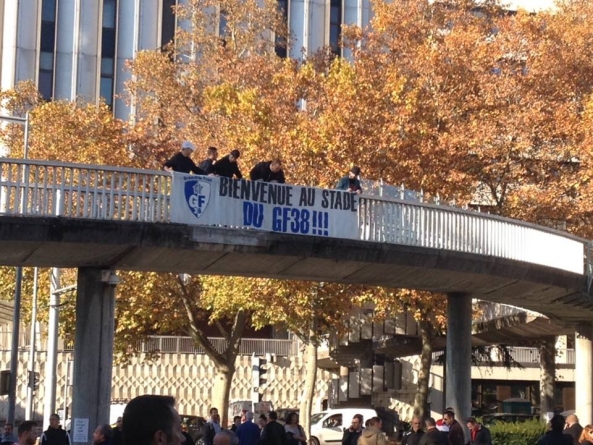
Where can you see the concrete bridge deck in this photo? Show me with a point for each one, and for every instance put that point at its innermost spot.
(96, 217)
(126, 245)
(70, 215)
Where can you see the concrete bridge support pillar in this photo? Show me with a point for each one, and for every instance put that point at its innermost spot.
(93, 350)
(584, 373)
(459, 344)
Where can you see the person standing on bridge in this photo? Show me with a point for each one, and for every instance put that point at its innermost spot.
(270, 171)
(182, 162)
(228, 167)
(208, 164)
(351, 182)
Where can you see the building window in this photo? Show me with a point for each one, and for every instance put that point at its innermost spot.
(223, 24)
(281, 43)
(108, 41)
(335, 26)
(168, 22)
(47, 47)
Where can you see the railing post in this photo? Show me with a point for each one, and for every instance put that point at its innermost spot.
(4, 189)
(589, 265)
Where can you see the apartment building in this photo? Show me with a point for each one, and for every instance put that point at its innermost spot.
(79, 48)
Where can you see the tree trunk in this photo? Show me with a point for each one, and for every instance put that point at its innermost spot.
(309, 387)
(421, 398)
(221, 393)
(223, 361)
(547, 360)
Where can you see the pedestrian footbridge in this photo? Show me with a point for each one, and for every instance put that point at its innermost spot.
(72, 215)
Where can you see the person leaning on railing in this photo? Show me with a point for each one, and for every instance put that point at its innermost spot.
(270, 171)
(182, 162)
(228, 166)
(351, 182)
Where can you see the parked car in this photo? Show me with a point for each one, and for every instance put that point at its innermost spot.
(195, 427)
(327, 427)
(492, 419)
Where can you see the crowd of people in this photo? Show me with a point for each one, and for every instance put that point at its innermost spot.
(567, 432)
(153, 420)
(28, 433)
(228, 166)
(445, 431)
(244, 431)
(448, 431)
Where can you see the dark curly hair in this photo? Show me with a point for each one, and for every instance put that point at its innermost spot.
(289, 417)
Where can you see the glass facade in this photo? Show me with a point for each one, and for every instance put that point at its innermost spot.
(335, 26)
(281, 43)
(168, 22)
(47, 49)
(108, 45)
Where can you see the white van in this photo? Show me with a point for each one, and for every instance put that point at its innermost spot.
(327, 427)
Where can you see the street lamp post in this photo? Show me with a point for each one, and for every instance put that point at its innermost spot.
(16, 317)
(49, 405)
(32, 350)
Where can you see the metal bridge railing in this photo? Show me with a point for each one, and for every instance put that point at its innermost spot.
(40, 188)
(249, 346)
(427, 225)
(528, 356)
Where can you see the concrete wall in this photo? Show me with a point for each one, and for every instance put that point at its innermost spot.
(187, 377)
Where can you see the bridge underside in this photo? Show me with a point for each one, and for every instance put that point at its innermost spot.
(71, 243)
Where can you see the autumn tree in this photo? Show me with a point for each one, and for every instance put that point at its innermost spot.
(492, 98)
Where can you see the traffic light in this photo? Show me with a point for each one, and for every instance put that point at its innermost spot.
(259, 370)
(255, 362)
(264, 365)
(4, 382)
(33, 380)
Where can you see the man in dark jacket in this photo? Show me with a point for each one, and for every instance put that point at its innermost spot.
(117, 437)
(208, 164)
(456, 433)
(182, 162)
(412, 437)
(270, 171)
(478, 433)
(555, 435)
(432, 436)
(573, 428)
(352, 434)
(350, 182)
(274, 433)
(55, 435)
(227, 166)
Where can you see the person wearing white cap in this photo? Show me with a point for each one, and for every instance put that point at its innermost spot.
(182, 162)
